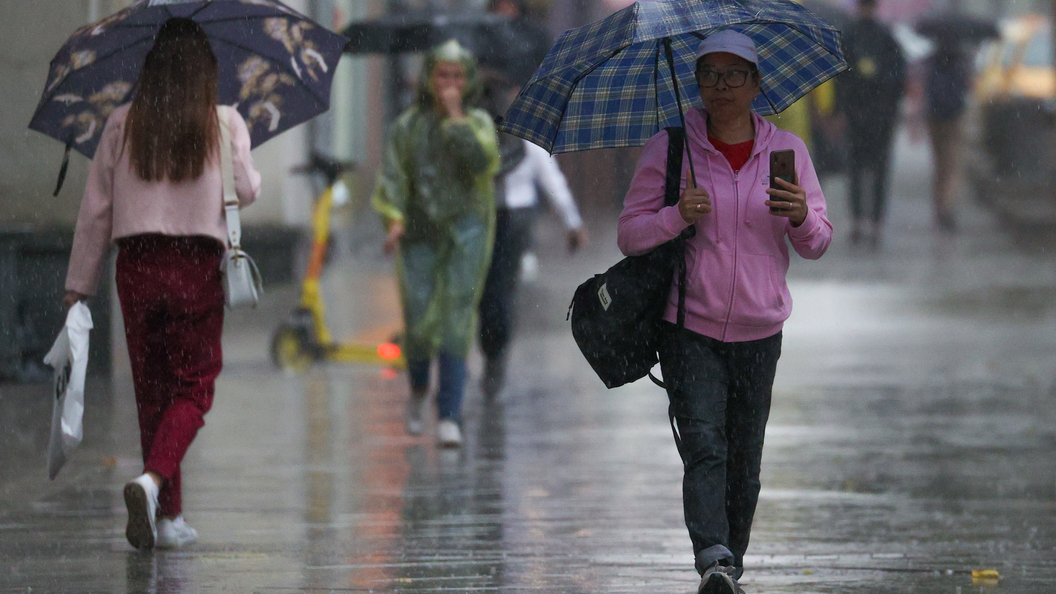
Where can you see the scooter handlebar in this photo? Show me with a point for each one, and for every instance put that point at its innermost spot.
(332, 169)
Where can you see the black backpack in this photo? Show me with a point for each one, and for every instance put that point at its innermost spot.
(616, 314)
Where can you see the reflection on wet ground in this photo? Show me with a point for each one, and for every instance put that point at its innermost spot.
(911, 442)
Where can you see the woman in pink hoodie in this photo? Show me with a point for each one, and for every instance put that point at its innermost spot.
(720, 368)
(155, 189)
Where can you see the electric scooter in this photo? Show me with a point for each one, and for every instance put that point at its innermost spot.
(304, 339)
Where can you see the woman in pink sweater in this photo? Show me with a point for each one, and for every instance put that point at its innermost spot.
(720, 369)
(155, 189)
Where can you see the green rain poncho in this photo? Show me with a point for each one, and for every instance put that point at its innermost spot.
(437, 179)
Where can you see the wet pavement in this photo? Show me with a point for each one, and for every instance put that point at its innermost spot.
(912, 440)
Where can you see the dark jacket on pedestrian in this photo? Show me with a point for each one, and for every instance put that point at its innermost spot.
(869, 92)
(948, 78)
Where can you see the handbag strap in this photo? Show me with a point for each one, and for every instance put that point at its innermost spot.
(227, 172)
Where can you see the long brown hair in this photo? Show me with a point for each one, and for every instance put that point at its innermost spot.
(171, 129)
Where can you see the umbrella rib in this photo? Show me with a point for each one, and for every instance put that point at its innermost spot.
(669, 54)
(200, 9)
(656, 84)
(767, 97)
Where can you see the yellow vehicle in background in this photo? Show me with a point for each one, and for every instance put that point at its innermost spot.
(1019, 65)
(1015, 95)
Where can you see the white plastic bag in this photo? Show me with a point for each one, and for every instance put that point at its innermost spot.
(69, 357)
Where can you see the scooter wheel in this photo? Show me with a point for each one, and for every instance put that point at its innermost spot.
(290, 350)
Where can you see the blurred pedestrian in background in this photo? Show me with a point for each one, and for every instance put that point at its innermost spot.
(719, 369)
(527, 170)
(155, 188)
(868, 97)
(947, 78)
(523, 46)
(435, 194)
(517, 195)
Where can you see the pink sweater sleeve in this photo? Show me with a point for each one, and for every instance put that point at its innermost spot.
(812, 238)
(91, 237)
(645, 222)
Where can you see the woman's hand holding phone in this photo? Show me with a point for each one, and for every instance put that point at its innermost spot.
(787, 199)
(791, 202)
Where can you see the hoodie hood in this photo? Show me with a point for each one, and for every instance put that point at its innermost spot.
(450, 51)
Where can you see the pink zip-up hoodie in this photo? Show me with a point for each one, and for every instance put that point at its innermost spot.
(738, 259)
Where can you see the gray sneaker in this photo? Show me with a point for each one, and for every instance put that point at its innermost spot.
(718, 579)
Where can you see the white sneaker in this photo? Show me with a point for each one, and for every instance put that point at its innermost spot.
(414, 414)
(529, 270)
(141, 500)
(448, 434)
(173, 534)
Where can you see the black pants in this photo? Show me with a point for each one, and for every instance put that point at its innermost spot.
(513, 233)
(869, 169)
(720, 401)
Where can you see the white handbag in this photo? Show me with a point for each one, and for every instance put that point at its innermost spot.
(241, 279)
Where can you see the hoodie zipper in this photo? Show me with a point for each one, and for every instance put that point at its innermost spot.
(736, 227)
(736, 230)
(715, 206)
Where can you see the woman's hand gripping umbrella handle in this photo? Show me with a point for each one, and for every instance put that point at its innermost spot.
(695, 202)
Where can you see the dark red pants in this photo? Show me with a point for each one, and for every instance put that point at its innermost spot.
(173, 305)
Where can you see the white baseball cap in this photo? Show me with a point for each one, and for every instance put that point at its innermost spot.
(731, 42)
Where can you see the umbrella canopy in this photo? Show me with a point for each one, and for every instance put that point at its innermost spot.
(830, 12)
(503, 46)
(276, 66)
(619, 81)
(957, 28)
(421, 31)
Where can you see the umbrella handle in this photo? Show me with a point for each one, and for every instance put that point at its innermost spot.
(692, 181)
(62, 169)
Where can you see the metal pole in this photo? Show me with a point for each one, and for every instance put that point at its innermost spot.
(1052, 156)
(396, 77)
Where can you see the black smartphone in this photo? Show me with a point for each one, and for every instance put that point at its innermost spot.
(782, 165)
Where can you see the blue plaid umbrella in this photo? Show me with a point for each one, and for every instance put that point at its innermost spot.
(610, 84)
(276, 66)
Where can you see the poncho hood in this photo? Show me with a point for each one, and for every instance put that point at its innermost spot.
(450, 51)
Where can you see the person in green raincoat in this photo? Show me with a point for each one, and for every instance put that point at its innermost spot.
(435, 194)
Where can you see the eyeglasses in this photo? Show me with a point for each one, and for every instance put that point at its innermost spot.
(733, 78)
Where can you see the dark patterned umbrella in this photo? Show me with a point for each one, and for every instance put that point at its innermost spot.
(418, 32)
(276, 66)
(957, 28)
